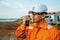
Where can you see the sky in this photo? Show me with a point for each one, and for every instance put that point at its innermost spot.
(19, 8)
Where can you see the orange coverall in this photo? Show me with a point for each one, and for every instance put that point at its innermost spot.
(44, 32)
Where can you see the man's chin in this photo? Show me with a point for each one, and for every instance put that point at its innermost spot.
(37, 21)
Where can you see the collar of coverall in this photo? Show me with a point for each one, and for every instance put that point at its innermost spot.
(43, 25)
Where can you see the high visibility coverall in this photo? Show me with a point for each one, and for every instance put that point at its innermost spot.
(41, 32)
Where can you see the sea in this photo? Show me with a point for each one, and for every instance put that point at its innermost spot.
(8, 19)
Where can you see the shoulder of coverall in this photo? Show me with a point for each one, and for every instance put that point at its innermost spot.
(51, 26)
(47, 25)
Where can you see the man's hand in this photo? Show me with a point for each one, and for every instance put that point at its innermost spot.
(26, 18)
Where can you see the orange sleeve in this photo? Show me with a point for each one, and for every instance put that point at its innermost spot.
(54, 34)
(20, 30)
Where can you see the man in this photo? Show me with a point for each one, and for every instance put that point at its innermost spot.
(39, 29)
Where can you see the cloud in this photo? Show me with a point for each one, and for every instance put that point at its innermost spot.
(5, 3)
(12, 4)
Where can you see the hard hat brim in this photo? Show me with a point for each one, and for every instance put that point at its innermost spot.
(31, 12)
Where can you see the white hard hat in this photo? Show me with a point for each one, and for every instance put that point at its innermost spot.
(39, 8)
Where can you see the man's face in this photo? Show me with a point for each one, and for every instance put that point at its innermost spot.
(38, 17)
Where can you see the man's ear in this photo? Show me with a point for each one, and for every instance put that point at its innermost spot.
(43, 15)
